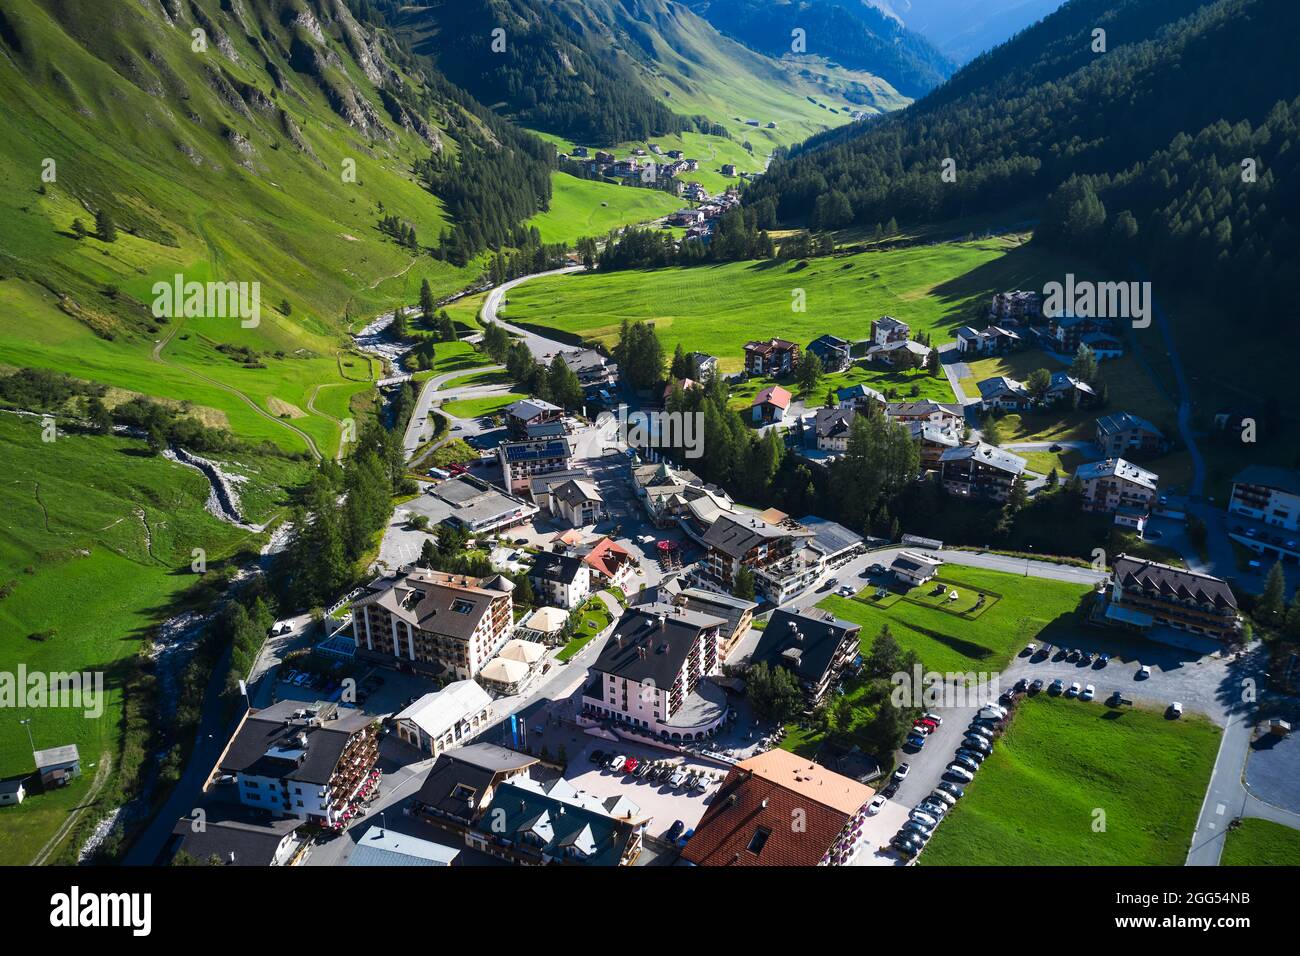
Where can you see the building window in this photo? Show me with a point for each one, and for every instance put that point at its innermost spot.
(758, 840)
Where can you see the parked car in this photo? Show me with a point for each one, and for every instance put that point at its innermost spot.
(685, 838)
(976, 743)
(877, 569)
(1074, 654)
(1088, 692)
(959, 773)
(1073, 690)
(974, 756)
(597, 756)
(1085, 657)
(616, 764)
(644, 769)
(630, 764)
(675, 831)
(900, 772)
(929, 721)
(1030, 649)
(1102, 660)
(1035, 687)
(932, 716)
(1058, 685)
(969, 763)
(904, 848)
(1020, 686)
(952, 789)
(933, 808)
(677, 779)
(923, 818)
(916, 740)
(701, 784)
(979, 730)
(913, 831)
(876, 803)
(1175, 710)
(943, 796)
(1143, 672)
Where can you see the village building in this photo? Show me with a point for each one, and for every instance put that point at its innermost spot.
(888, 330)
(777, 552)
(774, 357)
(432, 622)
(1124, 435)
(527, 412)
(315, 762)
(748, 821)
(524, 460)
(651, 675)
(445, 718)
(815, 646)
(560, 579)
(1144, 593)
(914, 569)
(834, 352)
(1119, 487)
(770, 405)
(980, 470)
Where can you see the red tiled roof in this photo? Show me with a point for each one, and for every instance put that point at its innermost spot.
(753, 798)
(773, 394)
(597, 558)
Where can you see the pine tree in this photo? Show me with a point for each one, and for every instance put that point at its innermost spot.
(1271, 607)
(105, 227)
(743, 587)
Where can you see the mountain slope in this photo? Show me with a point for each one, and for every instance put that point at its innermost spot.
(853, 33)
(601, 72)
(231, 163)
(962, 30)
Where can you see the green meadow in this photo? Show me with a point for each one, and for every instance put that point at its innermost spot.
(96, 545)
(1074, 783)
(717, 308)
(585, 207)
(1254, 842)
(1026, 609)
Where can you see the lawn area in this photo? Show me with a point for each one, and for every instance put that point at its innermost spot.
(897, 385)
(497, 377)
(717, 308)
(1026, 609)
(587, 207)
(1040, 797)
(95, 551)
(592, 617)
(478, 407)
(1261, 843)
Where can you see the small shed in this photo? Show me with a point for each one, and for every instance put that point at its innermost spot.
(58, 766)
(1278, 727)
(12, 792)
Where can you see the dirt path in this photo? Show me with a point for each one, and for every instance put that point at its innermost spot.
(101, 776)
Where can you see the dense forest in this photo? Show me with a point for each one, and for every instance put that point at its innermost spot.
(1150, 136)
(855, 35)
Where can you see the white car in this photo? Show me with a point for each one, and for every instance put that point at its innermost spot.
(617, 765)
(1143, 672)
(1088, 692)
(930, 715)
(874, 806)
(1175, 709)
(942, 796)
(1073, 690)
(958, 772)
(923, 818)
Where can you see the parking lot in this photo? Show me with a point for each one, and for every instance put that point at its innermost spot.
(1273, 770)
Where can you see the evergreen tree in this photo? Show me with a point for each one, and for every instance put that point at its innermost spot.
(105, 227)
(1270, 610)
(743, 587)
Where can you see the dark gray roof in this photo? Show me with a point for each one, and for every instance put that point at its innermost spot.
(738, 536)
(440, 603)
(549, 566)
(1173, 582)
(267, 744)
(989, 455)
(652, 643)
(830, 422)
(1269, 476)
(819, 637)
(12, 786)
(828, 536)
(1124, 421)
(252, 836)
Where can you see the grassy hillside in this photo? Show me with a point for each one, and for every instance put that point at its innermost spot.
(1039, 799)
(716, 309)
(582, 207)
(1261, 843)
(96, 543)
(213, 169)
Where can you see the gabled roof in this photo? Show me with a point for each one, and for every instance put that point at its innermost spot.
(549, 566)
(806, 643)
(606, 555)
(652, 642)
(772, 395)
(529, 408)
(435, 601)
(1124, 421)
(858, 393)
(1118, 468)
(1173, 582)
(985, 454)
(460, 778)
(1268, 476)
(438, 712)
(1064, 381)
(889, 322)
(748, 822)
(568, 827)
(833, 422)
(737, 536)
(1001, 385)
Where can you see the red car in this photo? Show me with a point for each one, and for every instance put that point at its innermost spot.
(630, 765)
